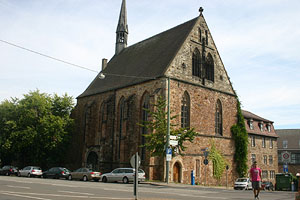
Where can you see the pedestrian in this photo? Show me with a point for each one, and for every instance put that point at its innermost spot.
(255, 175)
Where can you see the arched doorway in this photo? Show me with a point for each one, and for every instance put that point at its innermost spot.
(176, 172)
(92, 161)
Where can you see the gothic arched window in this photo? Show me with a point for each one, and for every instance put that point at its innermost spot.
(209, 65)
(145, 106)
(121, 123)
(196, 63)
(219, 118)
(185, 111)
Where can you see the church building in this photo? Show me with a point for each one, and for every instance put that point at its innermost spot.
(201, 95)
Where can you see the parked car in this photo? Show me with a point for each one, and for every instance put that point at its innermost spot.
(84, 174)
(125, 175)
(267, 185)
(30, 171)
(9, 170)
(56, 172)
(243, 184)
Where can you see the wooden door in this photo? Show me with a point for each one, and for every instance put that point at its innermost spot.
(176, 173)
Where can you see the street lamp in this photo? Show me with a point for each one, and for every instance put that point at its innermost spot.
(102, 76)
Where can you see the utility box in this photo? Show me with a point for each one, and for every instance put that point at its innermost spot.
(284, 181)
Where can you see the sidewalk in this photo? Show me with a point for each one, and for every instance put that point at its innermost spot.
(157, 183)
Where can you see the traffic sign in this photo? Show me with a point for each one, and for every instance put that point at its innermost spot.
(132, 161)
(173, 137)
(286, 156)
(173, 142)
(169, 154)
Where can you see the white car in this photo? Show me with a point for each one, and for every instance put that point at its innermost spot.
(243, 184)
(30, 171)
(125, 175)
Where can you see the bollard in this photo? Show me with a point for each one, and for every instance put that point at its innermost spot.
(192, 177)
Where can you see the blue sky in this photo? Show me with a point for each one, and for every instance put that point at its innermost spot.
(258, 41)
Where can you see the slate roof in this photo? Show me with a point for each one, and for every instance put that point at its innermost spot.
(148, 60)
(250, 115)
(291, 135)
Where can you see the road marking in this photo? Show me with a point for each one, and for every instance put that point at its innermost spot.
(12, 186)
(23, 196)
(76, 192)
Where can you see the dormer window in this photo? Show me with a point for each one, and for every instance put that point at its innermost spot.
(251, 124)
(261, 126)
(269, 127)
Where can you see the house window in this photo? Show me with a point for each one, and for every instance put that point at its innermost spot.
(271, 143)
(209, 68)
(285, 144)
(252, 141)
(264, 174)
(293, 158)
(218, 118)
(272, 174)
(269, 127)
(271, 160)
(206, 35)
(253, 158)
(265, 159)
(185, 111)
(261, 126)
(263, 142)
(196, 63)
(251, 124)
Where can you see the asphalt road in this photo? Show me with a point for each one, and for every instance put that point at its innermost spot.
(17, 188)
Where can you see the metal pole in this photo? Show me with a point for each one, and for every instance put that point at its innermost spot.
(136, 176)
(168, 133)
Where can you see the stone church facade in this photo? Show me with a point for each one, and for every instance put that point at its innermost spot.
(109, 110)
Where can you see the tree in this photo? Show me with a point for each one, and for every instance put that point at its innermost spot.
(35, 129)
(156, 138)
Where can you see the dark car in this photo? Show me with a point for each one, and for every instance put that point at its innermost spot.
(9, 170)
(267, 185)
(56, 172)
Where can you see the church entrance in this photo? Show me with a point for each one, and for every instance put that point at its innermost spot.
(92, 161)
(176, 173)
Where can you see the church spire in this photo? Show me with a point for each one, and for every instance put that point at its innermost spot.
(122, 29)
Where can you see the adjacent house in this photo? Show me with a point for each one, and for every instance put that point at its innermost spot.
(262, 144)
(288, 150)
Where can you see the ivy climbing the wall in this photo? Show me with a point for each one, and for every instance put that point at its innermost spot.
(240, 137)
(219, 162)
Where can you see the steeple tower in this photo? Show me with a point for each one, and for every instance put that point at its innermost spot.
(122, 29)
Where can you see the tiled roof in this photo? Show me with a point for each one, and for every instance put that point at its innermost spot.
(148, 59)
(256, 129)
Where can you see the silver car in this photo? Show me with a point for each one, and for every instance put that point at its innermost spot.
(125, 175)
(30, 171)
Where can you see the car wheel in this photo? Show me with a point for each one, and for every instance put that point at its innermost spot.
(70, 177)
(19, 174)
(29, 175)
(84, 178)
(7, 174)
(104, 179)
(125, 180)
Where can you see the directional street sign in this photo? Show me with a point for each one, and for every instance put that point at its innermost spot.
(173, 142)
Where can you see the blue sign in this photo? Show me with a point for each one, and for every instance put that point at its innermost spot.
(285, 169)
(169, 151)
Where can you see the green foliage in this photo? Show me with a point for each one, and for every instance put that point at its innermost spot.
(156, 138)
(240, 137)
(35, 129)
(219, 162)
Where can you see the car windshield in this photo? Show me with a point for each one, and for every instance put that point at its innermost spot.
(241, 180)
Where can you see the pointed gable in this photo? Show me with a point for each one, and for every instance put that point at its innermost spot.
(148, 60)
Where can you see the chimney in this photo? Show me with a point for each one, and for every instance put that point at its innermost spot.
(104, 63)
